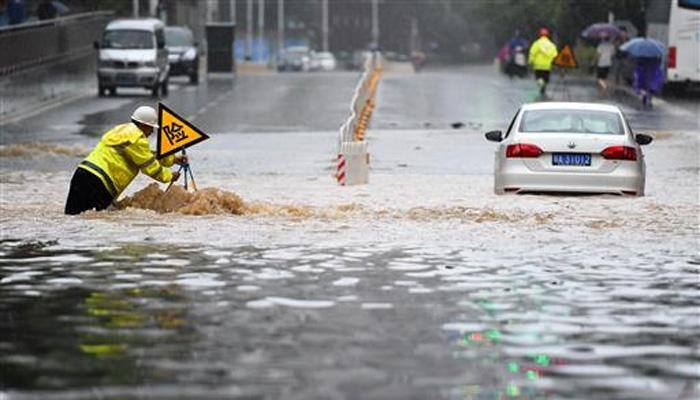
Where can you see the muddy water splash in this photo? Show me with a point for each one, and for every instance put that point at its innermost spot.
(204, 202)
(215, 201)
(477, 215)
(34, 148)
(177, 199)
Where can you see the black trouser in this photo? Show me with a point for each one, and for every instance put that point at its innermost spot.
(542, 74)
(87, 192)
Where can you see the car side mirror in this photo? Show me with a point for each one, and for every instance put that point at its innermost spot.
(643, 139)
(96, 45)
(494, 136)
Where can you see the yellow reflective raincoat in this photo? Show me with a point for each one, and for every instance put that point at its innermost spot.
(542, 54)
(121, 154)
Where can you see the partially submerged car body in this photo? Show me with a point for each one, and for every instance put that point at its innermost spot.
(569, 147)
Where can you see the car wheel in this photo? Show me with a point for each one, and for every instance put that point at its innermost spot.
(674, 89)
(113, 91)
(194, 78)
(101, 91)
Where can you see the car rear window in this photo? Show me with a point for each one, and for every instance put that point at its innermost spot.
(572, 121)
(175, 37)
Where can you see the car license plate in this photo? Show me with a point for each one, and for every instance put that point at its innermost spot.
(572, 159)
(126, 78)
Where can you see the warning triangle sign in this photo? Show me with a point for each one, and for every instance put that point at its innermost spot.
(175, 133)
(566, 58)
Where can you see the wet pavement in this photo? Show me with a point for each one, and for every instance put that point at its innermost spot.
(422, 284)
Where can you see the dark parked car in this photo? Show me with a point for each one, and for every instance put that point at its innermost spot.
(296, 58)
(182, 52)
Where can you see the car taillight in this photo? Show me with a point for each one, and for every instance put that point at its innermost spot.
(523, 150)
(672, 57)
(620, 153)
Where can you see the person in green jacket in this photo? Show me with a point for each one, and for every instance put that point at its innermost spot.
(542, 55)
(116, 160)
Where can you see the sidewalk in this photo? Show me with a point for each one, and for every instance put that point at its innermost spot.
(249, 68)
(615, 90)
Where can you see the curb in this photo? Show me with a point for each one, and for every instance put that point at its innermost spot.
(246, 68)
(616, 89)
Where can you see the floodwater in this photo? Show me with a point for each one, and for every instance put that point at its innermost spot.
(272, 282)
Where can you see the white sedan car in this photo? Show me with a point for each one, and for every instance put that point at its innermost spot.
(323, 61)
(569, 147)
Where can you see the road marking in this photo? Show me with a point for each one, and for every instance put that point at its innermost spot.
(213, 103)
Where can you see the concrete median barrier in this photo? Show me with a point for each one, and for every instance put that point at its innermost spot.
(48, 61)
(352, 165)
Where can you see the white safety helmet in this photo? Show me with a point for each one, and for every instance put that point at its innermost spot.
(146, 115)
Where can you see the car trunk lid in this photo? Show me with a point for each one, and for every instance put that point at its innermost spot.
(572, 148)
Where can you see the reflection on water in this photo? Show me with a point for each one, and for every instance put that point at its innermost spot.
(61, 332)
(138, 320)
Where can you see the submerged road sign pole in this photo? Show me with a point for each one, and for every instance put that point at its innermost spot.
(185, 170)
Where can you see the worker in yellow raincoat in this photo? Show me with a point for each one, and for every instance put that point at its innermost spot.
(115, 161)
(542, 55)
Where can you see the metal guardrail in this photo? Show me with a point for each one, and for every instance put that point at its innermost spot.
(35, 43)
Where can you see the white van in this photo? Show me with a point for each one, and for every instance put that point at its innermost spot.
(683, 60)
(132, 53)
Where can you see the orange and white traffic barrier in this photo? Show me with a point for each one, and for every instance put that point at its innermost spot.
(352, 164)
(340, 170)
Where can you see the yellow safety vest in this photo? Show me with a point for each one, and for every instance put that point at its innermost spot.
(121, 154)
(542, 54)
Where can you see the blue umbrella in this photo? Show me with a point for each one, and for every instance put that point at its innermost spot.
(60, 7)
(644, 48)
(601, 30)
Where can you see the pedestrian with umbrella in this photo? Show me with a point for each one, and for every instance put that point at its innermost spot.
(46, 10)
(61, 9)
(601, 30)
(605, 51)
(648, 55)
(603, 61)
(50, 9)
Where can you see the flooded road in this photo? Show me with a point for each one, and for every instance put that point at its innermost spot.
(422, 284)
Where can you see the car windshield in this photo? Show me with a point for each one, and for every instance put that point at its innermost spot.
(691, 4)
(175, 37)
(292, 56)
(572, 121)
(298, 50)
(127, 39)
